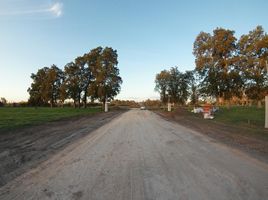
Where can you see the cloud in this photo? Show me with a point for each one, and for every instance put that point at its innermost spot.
(54, 9)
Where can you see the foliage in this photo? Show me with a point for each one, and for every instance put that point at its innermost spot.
(174, 85)
(194, 90)
(129, 103)
(253, 58)
(161, 84)
(73, 82)
(107, 80)
(152, 104)
(230, 69)
(45, 87)
(3, 101)
(215, 62)
(93, 75)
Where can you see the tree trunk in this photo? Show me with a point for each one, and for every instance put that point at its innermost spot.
(103, 104)
(79, 100)
(85, 100)
(220, 101)
(228, 105)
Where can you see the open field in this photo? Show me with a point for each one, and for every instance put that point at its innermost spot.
(11, 118)
(242, 116)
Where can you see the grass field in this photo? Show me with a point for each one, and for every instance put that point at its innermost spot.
(11, 118)
(242, 116)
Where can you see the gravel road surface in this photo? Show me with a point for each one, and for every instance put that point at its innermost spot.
(139, 155)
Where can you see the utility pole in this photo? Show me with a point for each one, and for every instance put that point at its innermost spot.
(169, 104)
(266, 111)
(106, 105)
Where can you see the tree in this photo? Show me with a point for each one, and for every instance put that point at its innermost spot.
(178, 86)
(152, 104)
(215, 62)
(193, 87)
(3, 101)
(83, 76)
(73, 82)
(45, 86)
(253, 58)
(174, 85)
(63, 95)
(107, 80)
(161, 84)
(37, 91)
(94, 75)
(53, 84)
(92, 61)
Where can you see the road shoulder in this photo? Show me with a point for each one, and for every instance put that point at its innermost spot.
(22, 150)
(231, 136)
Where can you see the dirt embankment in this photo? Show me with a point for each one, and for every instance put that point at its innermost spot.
(23, 149)
(242, 138)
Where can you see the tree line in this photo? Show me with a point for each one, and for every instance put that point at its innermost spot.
(93, 76)
(226, 68)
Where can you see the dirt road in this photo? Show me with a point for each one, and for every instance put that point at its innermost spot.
(139, 156)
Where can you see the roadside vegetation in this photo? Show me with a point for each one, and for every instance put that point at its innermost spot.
(242, 116)
(229, 71)
(92, 76)
(13, 118)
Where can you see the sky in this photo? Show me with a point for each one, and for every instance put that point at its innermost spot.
(149, 36)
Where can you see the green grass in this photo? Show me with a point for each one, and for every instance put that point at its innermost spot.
(11, 118)
(242, 116)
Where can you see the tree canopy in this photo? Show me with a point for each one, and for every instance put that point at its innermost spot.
(173, 85)
(227, 68)
(94, 75)
(232, 68)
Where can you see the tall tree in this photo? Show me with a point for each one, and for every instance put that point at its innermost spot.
(161, 84)
(83, 76)
(93, 62)
(45, 86)
(193, 86)
(94, 75)
(73, 82)
(53, 84)
(216, 64)
(107, 80)
(63, 95)
(178, 86)
(38, 90)
(3, 101)
(253, 54)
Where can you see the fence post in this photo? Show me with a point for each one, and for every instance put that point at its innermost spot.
(266, 111)
(106, 106)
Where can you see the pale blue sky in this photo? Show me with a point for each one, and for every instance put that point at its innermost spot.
(149, 35)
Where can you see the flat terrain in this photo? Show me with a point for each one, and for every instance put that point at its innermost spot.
(18, 117)
(23, 148)
(229, 127)
(246, 116)
(139, 155)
